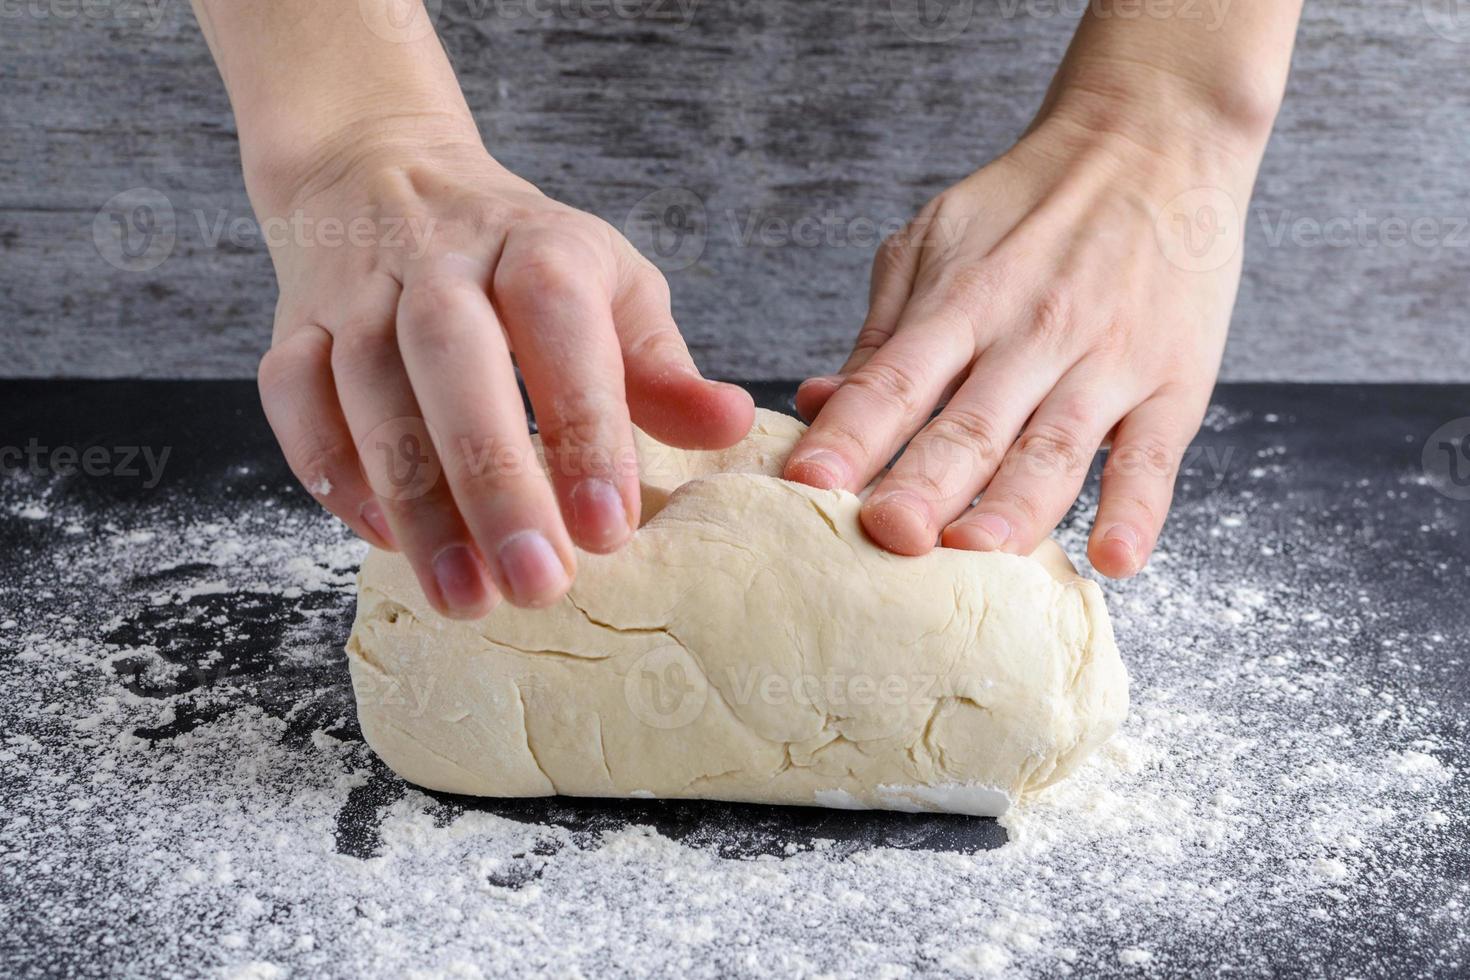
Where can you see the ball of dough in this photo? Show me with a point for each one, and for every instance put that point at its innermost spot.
(749, 644)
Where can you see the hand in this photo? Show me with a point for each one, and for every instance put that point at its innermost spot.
(1047, 306)
(390, 382)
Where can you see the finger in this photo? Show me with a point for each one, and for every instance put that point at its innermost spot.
(955, 455)
(1042, 473)
(460, 368)
(667, 396)
(889, 287)
(880, 406)
(403, 467)
(1138, 482)
(301, 406)
(813, 393)
(557, 309)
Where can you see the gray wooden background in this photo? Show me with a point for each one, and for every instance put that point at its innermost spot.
(753, 112)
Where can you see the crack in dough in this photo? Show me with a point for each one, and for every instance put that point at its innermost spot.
(749, 644)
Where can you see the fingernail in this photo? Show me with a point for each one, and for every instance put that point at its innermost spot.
(993, 526)
(457, 573)
(906, 503)
(833, 379)
(1129, 539)
(532, 569)
(373, 517)
(823, 469)
(598, 511)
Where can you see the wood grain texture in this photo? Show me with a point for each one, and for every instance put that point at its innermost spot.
(764, 111)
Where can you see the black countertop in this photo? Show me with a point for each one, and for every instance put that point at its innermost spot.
(1319, 545)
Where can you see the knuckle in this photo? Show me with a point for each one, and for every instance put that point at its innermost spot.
(1146, 458)
(1052, 314)
(891, 384)
(430, 303)
(966, 430)
(482, 469)
(926, 477)
(1018, 501)
(1142, 506)
(1051, 449)
(541, 273)
(841, 434)
(661, 345)
(870, 338)
(970, 288)
(354, 347)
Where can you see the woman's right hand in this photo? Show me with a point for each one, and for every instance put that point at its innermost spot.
(412, 267)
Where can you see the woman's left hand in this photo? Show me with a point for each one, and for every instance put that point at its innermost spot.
(1076, 290)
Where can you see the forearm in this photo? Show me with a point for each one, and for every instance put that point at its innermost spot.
(311, 81)
(1217, 71)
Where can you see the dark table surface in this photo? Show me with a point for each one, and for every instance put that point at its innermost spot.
(1319, 542)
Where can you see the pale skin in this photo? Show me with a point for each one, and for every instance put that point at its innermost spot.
(1035, 303)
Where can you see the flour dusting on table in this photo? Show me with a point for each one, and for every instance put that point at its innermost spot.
(196, 797)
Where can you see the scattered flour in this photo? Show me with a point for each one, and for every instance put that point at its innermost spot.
(185, 791)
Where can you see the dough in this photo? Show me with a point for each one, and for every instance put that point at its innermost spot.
(748, 644)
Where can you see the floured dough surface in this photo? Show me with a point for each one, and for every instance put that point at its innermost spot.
(748, 644)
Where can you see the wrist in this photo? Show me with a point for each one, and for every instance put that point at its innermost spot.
(1144, 155)
(1156, 106)
(288, 159)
